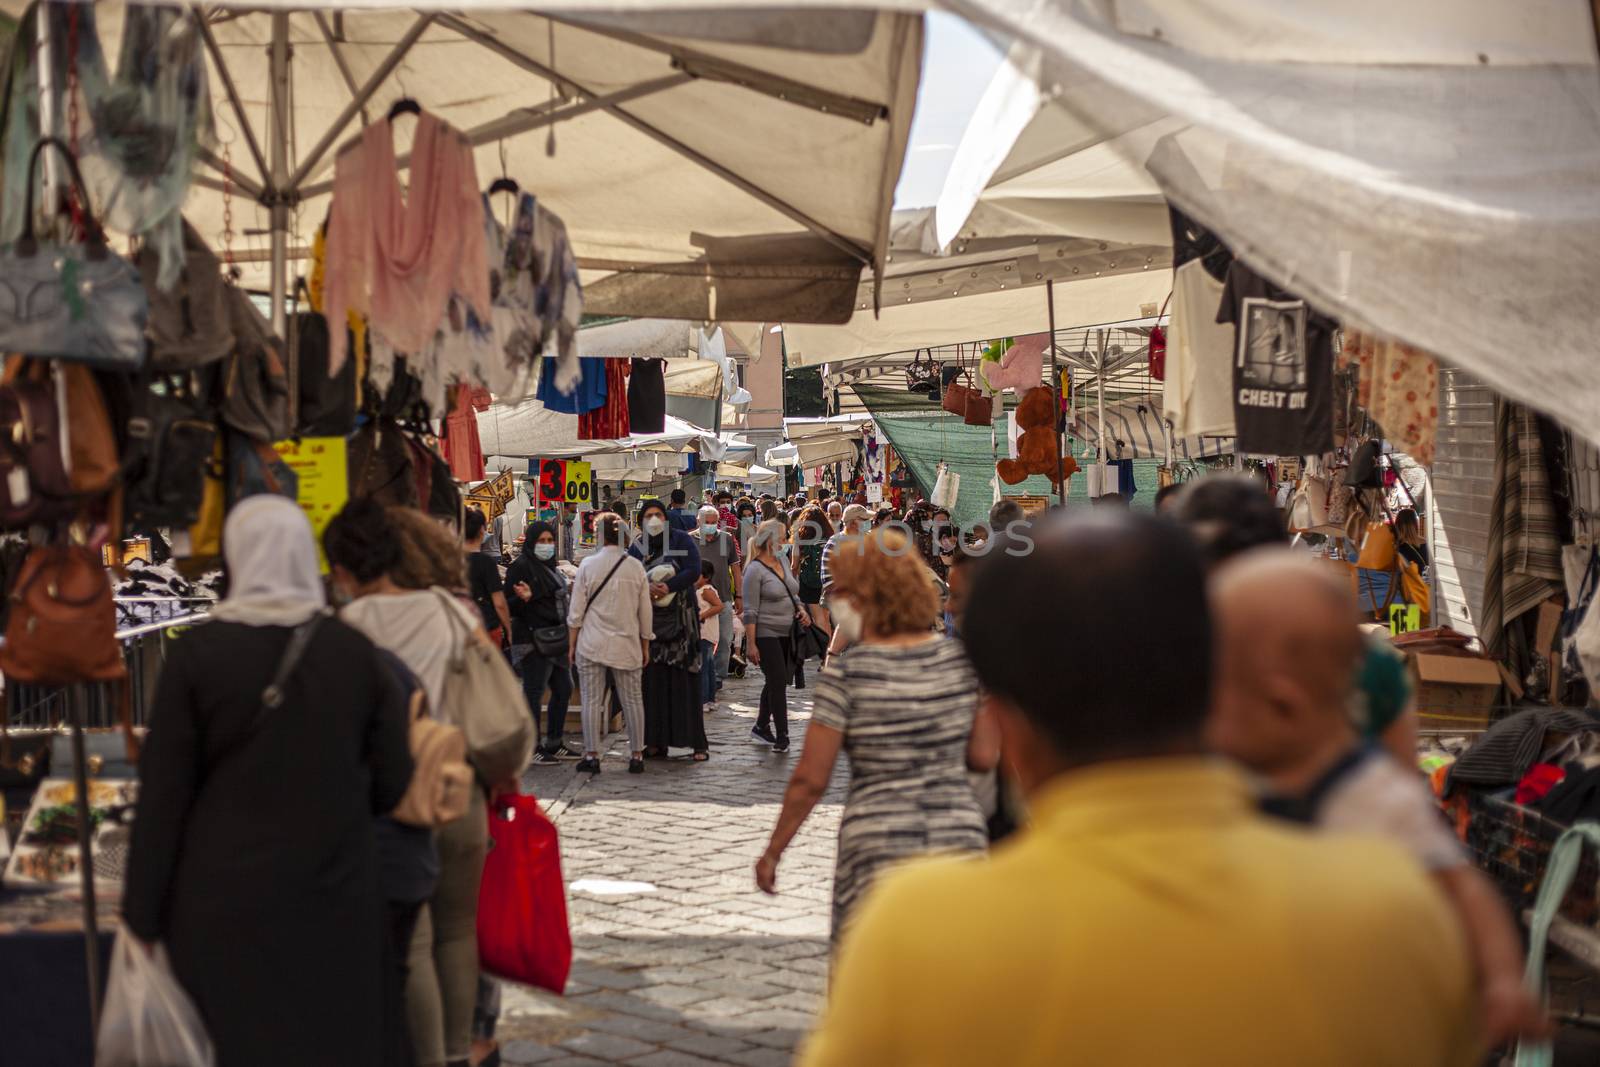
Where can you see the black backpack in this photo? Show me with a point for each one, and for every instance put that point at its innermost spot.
(189, 325)
(170, 442)
(327, 405)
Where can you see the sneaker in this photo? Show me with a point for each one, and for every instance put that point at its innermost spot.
(541, 756)
(589, 764)
(761, 735)
(571, 748)
(781, 745)
(636, 766)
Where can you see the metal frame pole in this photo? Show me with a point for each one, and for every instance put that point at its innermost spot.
(76, 696)
(278, 149)
(1055, 386)
(48, 119)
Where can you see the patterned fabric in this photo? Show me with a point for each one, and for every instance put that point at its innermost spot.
(609, 421)
(1524, 550)
(1399, 387)
(595, 682)
(906, 715)
(535, 288)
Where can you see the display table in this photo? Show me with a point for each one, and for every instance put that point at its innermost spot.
(44, 995)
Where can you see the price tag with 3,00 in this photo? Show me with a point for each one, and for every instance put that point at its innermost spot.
(579, 486)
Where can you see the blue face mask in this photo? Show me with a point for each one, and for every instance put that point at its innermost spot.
(545, 551)
(708, 532)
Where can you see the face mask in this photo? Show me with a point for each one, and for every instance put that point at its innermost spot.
(708, 532)
(545, 551)
(846, 619)
(654, 525)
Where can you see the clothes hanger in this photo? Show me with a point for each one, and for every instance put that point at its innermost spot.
(404, 106)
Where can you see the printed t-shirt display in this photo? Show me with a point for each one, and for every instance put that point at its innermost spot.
(1197, 395)
(1282, 368)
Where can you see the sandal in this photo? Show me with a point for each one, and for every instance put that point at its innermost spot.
(701, 756)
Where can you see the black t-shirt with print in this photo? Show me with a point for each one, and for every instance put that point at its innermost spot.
(1282, 368)
(483, 580)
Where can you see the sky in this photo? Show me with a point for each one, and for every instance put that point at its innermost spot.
(957, 64)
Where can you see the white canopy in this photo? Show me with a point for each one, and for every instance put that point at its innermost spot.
(1425, 169)
(738, 165)
(660, 339)
(530, 429)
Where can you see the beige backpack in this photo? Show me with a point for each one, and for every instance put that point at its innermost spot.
(441, 784)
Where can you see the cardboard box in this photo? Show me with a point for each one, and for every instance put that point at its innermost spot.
(1455, 692)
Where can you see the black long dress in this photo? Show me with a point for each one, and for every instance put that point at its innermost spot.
(255, 861)
(673, 716)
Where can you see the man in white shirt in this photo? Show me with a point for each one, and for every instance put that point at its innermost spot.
(610, 620)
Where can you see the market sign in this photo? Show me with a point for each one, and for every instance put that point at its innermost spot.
(563, 481)
(492, 496)
(324, 482)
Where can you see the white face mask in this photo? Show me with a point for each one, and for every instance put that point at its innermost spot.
(846, 619)
(708, 532)
(545, 551)
(654, 525)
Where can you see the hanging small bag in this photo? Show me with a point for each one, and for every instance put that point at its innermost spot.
(956, 394)
(78, 302)
(254, 390)
(189, 324)
(979, 410)
(63, 627)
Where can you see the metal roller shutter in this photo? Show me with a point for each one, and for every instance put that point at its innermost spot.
(1462, 490)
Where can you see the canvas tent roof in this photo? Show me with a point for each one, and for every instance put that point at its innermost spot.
(734, 165)
(531, 429)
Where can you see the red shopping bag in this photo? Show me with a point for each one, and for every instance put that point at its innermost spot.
(522, 904)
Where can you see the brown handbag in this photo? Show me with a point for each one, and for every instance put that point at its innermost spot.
(956, 396)
(34, 483)
(63, 625)
(979, 410)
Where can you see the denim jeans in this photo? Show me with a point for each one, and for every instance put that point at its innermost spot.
(724, 641)
(537, 672)
(708, 672)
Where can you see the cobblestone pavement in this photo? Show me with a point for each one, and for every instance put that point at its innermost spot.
(695, 965)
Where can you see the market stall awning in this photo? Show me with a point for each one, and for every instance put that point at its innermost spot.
(530, 429)
(1424, 169)
(737, 164)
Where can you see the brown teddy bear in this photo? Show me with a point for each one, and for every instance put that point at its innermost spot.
(1038, 444)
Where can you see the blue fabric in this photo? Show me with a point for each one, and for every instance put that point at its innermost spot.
(683, 519)
(1125, 484)
(1372, 589)
(590, 392)
(708, 672)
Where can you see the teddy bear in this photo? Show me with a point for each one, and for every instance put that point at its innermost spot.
(1038, 444)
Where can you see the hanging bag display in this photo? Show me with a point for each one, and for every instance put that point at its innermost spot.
(34, 483)
(484, 698)
(956, 394)
(979, 410)
(170, 444)
(79, 302)
(1156, 350)
(380, 464)
(946, 487)
(148, 1019)
(327, 404)
(523, 934)
(254, 387)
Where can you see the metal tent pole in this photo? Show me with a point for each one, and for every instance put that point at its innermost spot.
(278, 163)
(1104, 453)
(75, 698)
(1055, 386)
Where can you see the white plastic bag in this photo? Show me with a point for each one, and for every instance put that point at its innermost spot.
(945, 488)
(148, 1020)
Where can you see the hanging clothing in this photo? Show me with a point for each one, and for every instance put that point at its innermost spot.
(463, 449)
(1197, 395)
(399, 257)
(139, 134)
(647, 396)
(538, 298)
(1399, 387)
(1282, 368)
(1524, 550)
(590, 393)
(316, 291)
(609, 421)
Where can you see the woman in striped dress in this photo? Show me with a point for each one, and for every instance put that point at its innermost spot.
(902, 701)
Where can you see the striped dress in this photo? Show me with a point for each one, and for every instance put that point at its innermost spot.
(906, 715)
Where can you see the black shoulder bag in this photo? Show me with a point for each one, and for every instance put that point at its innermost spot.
(272, 695)
(809, 640)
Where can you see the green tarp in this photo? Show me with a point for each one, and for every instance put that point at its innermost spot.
(924, 436)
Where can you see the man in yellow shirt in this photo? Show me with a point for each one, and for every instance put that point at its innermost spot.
(1148, 916)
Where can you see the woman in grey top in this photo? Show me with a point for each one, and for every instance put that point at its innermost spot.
(771, 605)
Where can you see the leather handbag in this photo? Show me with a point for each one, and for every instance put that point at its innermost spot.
(189, 323)
(34, 483)
(255, 383)
(78, 302)
(63, 625)
(979, 410)
(956, 394)
(380, 464)
(484, 698)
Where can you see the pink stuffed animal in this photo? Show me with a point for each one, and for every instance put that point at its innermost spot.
(1020, 367)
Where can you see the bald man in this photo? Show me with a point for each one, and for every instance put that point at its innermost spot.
(1289, 655)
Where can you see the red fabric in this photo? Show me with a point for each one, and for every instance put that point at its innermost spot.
(522, 905)
(1540, 779)
(1158, 353)
(462, 447)
(609, 421)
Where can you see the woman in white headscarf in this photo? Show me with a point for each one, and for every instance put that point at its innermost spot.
(253, 856)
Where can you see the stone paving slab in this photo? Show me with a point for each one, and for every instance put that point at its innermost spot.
(701, 968)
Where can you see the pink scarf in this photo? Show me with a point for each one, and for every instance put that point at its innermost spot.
(395, 259)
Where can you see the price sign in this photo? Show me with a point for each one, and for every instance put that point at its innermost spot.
(579, 483)
(874, 492)
(324, 484)
(552, 481)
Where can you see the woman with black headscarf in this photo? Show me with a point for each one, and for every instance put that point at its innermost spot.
(673, 716)
(537, 596)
